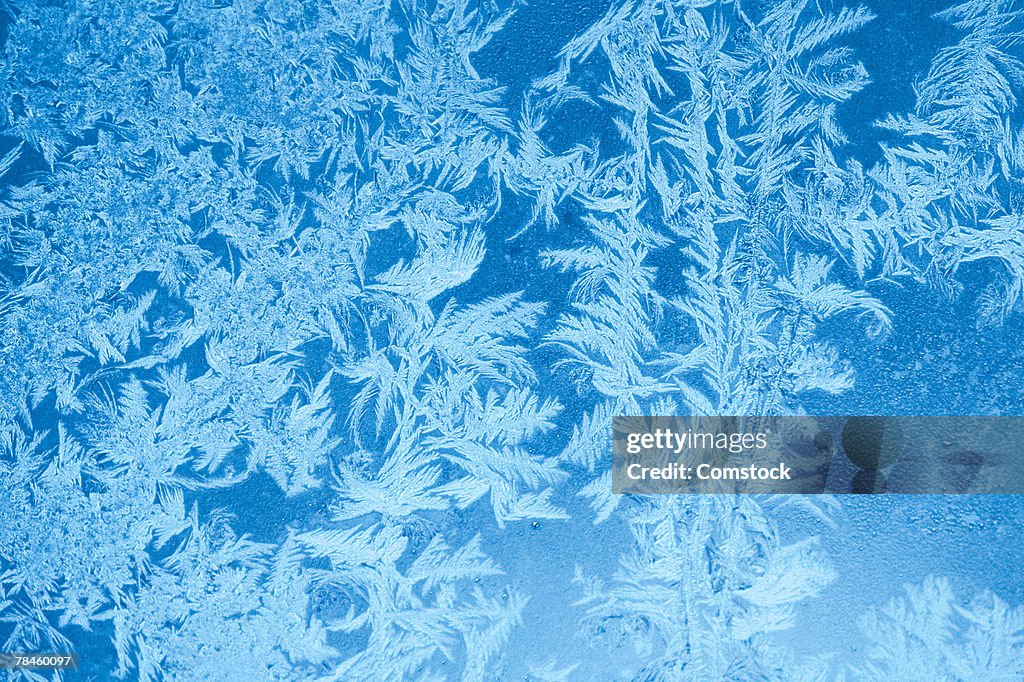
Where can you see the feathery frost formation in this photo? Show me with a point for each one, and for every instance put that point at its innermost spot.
(305, 312)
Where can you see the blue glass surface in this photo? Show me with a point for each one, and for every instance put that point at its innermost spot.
(314, 315)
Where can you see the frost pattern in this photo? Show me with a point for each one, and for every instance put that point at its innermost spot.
(308, 307)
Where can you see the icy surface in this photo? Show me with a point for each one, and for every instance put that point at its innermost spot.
(313, 316)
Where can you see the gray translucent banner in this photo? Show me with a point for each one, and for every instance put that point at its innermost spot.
(812, 455)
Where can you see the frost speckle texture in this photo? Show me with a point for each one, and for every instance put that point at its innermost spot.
(313, 317)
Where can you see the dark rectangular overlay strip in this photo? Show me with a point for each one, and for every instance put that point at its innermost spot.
(812, 455)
